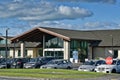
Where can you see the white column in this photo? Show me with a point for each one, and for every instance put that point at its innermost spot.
(43, 45)
(118, 54)
(66, 50)
(22, 49)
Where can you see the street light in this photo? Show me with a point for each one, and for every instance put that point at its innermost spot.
(6, 45)
(112, 44)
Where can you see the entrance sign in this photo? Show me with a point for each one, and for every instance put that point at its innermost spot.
(109, 60)
(75, 56)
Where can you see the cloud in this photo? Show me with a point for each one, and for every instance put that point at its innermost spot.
(15, 26)
(85, 26)
(53, 24)
(41, 11)
(89, 1)
(100, 25)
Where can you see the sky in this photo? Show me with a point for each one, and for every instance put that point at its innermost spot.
(23, 15)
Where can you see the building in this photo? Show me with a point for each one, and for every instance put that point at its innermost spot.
(3, 45)
(31, 47)
(62, 42)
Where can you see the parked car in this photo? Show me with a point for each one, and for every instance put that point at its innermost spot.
(90, 65)
(37, 62)
(107, 68)
(2, 60)
(19, 62)
(6, 63)
(58, 64)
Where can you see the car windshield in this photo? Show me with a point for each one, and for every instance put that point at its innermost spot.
(53, 62)
(114, 62)
(33, 60)
(89, 63)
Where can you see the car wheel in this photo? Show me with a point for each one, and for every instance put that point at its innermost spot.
(113, 71)
(93, 70)
(55, 67)
(68, 67)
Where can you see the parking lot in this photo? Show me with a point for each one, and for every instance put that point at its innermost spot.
(55, 63)
(62, 64)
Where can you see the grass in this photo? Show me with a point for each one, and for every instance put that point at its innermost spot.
(48, 73)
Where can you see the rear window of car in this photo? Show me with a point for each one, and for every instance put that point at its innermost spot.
(89, 63)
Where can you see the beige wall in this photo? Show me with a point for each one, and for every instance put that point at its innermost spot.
(16, 52)
(30, 52)
(33, 52)
(90, 53)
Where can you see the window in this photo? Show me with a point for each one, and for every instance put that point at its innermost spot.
(118, 63)
(115, 54)
(25, 52)
(54, 43)
(19, 53)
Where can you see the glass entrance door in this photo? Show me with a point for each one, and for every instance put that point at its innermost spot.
(57, 54)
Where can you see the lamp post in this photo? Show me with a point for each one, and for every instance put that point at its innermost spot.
(112, 44)
(6, 45)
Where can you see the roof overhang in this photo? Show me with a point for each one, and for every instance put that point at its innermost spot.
(1, 38)
(36, 35)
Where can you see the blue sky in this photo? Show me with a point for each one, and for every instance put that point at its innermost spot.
(23, 15)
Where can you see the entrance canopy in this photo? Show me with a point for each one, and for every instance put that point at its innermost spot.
(36, 35)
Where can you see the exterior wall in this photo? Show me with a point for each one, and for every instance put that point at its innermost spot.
(16, 53)
(99, 53)
(104, 52)
(30, 52)
(35, 52)
(90, 52)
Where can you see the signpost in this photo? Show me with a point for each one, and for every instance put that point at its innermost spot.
(109, 60)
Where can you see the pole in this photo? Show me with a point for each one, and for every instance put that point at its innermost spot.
(14, 51)
(6, 46)
(112, 45)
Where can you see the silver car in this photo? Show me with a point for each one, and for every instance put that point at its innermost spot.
(109, 68)
(58, 64)
(90, 65)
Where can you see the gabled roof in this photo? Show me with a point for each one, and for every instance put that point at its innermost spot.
(36, 34)
(102, 37)
(74, 34)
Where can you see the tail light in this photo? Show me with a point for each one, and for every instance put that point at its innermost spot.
(18, 62)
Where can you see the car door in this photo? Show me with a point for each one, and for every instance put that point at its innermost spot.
(60, 64)
(118, 66)
(65, 64)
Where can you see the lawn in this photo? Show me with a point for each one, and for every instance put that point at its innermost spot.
(48, 73)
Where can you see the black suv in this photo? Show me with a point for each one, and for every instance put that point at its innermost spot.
(37, 62)
(6, 63)
(19, 62)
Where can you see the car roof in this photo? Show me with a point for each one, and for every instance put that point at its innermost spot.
(59, 60)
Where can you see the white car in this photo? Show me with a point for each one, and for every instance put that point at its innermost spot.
(57, 64)
(107, 68)
(90, 65)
